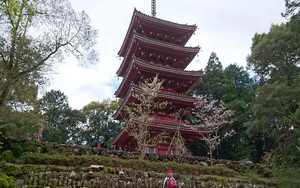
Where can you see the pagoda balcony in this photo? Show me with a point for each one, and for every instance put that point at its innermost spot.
(140, 70)
(158, 53)
(157, 29)
(176, 100)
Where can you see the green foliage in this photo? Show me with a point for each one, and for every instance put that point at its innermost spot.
(14, 148)
(62, 123)
(92, 125)
(100, 127)
(19, 125)
(292, 8)
(212, 83)
(288, 177)
(54, 105)
(274, 56)
(7, 156)
(266, 112)
(6, 181)
(198, 148)
(236, 89)
(275, 124)
(26, 56)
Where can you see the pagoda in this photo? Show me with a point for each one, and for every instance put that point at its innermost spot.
(153, 46)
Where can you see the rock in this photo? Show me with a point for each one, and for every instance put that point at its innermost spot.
(146, 174)
(20, 182)
(203, 163)
(73, 174)
(121, 172)
(246, 162)
(96, 167)
(220, 165)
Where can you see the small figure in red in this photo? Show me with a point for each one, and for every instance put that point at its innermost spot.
(170, 181)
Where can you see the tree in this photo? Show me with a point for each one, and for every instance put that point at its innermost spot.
(275, 56)
(100, 126)
(61, 122)
(239, 96)
(19, 125)
(139, 112)
(234, 86)
(212, 81)
(35, 34)
(213, 117)
(292, 8)
(74, 123)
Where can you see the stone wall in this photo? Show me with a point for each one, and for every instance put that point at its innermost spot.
(69, 180)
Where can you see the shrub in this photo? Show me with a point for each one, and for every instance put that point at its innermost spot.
(7, 156)
(6, 181)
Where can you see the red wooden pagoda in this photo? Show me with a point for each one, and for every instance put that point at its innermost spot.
(153, 46)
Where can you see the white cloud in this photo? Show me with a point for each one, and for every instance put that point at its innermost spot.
(225, 27)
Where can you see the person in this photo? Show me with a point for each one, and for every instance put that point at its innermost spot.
(170, 181)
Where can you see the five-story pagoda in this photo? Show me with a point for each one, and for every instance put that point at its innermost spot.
(153, 46)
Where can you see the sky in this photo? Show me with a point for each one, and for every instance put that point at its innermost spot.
(224, 26)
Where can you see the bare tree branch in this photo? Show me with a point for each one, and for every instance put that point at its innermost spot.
(42, 62)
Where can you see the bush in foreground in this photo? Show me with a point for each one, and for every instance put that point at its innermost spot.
(7, 181)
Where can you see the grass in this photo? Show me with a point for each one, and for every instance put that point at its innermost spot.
(288, 177)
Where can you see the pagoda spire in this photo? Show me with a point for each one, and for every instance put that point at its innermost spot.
(153, 8)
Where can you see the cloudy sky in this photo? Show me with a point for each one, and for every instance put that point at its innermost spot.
(224, 26)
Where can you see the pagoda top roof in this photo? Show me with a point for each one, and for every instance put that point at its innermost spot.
(150, 43)
(168, 26)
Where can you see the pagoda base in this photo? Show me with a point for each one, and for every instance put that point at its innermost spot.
(160, 139)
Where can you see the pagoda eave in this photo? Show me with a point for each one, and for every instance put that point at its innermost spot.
(137, 40)
(176, 99)
(187, 132)
(189, 77)
(158, 23)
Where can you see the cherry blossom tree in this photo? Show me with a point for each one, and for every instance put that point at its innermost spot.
(210, 117)
(139, 112)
